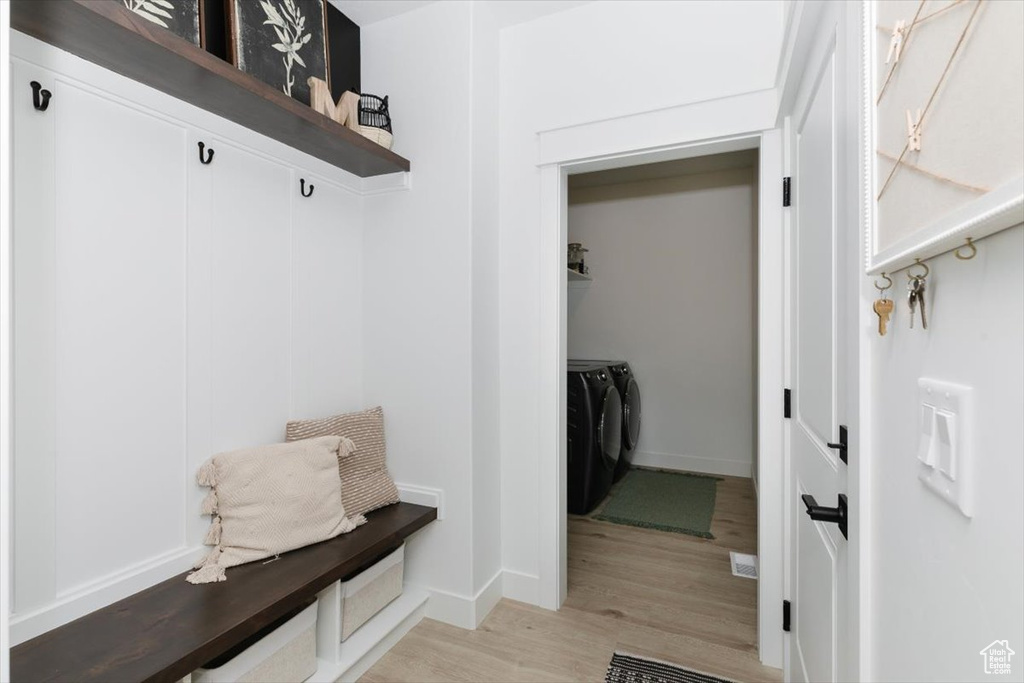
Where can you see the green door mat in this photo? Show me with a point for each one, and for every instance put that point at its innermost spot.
(667, 501)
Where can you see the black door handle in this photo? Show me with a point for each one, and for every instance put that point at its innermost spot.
(841, 446)
(836, 515)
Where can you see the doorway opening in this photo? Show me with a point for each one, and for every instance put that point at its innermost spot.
(635, 287)
(661, 413)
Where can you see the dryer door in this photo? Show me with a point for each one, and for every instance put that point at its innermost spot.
(631, 413)
(609, 428)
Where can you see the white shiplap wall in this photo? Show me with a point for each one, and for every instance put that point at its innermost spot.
(165, 310)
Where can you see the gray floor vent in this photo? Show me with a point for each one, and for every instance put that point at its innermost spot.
(743, 565)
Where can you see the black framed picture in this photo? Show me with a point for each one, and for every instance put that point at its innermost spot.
(181, 17)
(280, 42)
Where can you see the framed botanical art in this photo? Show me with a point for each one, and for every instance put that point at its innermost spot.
(182, 17)
(280, 42)
(943, 125)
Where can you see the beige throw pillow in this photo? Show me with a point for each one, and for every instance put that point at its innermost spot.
(272, 499)
(365, 482)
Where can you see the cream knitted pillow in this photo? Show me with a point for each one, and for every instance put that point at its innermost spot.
(272, 499)
(365, 482)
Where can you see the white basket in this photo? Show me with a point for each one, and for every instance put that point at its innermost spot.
(285, 655)
(369, 592)
(378, 135)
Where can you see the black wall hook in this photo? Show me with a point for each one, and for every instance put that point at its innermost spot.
(302, 188)
(40, 96)
(209, 157)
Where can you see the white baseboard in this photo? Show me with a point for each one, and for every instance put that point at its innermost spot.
(422, 495)
(692, 463)
(521, 587)
(464, 611)
(487, 598)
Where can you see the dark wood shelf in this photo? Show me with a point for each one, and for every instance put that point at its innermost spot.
(107, 33)
(174, 627)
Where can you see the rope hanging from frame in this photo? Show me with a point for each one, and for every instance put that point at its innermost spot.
(949, 63)
(906, 40)
(931, 174)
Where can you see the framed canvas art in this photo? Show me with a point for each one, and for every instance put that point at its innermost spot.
(280, 42)
(943, 91)
(182, 17)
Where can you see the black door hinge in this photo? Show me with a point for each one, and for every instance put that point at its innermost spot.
(787, 403)
(785, 191)
(785, 616)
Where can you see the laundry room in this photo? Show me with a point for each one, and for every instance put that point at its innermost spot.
(662, 383)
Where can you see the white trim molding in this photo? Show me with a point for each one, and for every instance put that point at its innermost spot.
(646, 133)
(998, 210)
(692, 463)
(103, 592)
(464, 611)
(422, 495)
(6, 390)
(386, 184)
(607, 144)
(521, 587)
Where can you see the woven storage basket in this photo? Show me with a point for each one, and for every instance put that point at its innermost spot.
(375, 119)
(378, 135)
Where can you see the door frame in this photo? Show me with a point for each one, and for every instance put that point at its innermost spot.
(771, 460)
(842, 27)
(5, 338)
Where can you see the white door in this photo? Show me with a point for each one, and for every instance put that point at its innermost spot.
(820, 415)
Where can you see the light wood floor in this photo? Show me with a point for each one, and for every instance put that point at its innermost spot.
(663, 595)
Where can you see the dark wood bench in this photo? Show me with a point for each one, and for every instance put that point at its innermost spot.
(169, 630)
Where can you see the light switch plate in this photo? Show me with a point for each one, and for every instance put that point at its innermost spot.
(945, 448)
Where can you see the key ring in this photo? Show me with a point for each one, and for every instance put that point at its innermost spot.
(882, 288)
(911, 276)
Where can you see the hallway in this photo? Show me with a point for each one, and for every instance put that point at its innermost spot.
(651, 593)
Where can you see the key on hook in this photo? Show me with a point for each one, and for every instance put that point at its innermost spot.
(916, 287)
(883, 308)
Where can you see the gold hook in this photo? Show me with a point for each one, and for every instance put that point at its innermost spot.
(887, 279)
(917, 261)
(970, 245)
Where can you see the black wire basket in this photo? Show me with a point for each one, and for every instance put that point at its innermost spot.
(373, 112)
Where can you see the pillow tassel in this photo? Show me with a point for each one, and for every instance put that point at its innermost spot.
(210, 503)
(208, 574)
(213, 557)
(350, 523)
(346, 447)
(213, 535)
(207, 474)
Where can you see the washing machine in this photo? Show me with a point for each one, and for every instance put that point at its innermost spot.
(594, 433)
(629, 395)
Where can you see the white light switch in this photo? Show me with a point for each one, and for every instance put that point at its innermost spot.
(926, 439)
(944, 447)
(945, 443)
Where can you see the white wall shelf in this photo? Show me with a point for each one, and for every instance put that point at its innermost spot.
(578, 279)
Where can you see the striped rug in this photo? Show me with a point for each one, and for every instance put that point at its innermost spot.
(626, 668)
